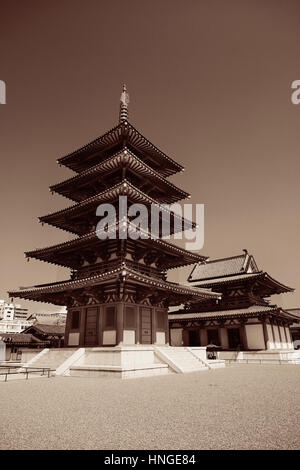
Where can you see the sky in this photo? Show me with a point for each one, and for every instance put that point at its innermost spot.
(209, 84)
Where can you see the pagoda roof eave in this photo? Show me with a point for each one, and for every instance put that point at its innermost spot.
(123, 272)
(113, 136)
(58, 219)
(123, 157)
(55, 254)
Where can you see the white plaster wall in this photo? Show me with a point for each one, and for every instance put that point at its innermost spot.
(288, 335)
(176, 336)
(270, 336)
(255, 336)
(129, 337)
(283, 339)
(109, 337)
(160, 337)
(277, 337)
(73, 339)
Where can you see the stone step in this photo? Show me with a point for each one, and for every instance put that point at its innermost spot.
(182, 359)
(53, 358)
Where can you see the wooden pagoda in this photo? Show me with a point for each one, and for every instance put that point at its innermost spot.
(117, 292)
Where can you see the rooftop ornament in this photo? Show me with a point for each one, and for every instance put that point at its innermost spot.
(124, 101)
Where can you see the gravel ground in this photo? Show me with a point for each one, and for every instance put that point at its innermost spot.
(239, 407)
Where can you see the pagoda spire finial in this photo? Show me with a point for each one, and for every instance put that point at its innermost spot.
(124, 101)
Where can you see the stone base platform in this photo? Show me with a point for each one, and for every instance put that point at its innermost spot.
(280, 356)
(119, 372)
(122, 361)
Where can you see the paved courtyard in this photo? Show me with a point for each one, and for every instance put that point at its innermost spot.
(240, 407)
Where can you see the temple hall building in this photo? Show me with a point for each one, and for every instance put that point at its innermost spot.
(243, 319)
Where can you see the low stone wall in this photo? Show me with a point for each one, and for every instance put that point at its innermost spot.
(28, 354)
(261, 357)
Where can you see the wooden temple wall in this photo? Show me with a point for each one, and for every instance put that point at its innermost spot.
(116, 323)
(253, 334)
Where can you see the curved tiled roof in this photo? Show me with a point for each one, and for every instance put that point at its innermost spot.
(224, 267)
(260, 276)
(48, 253)
(250, 311)
(59, 218)
(233, 269)
(75, 159)
(124, 156)
(20, 338)
(123, 270)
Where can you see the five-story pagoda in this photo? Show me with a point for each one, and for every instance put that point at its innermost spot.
(117, 293)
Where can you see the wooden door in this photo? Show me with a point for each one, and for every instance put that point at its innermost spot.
(91, 330)
(234, 338)
(194, 338)
(146, 325)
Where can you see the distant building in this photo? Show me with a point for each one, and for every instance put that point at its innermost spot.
(48, 318)
(15, 342)
(52, 334)
(21, 313)
(13, 318)
(6, 310)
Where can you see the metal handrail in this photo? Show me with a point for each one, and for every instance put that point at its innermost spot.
(27, 371)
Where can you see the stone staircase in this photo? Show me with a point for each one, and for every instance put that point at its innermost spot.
(180, 359)
(52, 358)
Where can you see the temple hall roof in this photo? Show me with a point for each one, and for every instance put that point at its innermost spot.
(20, 338)
(251, 311)
(233, 265)
(294, 311)
(55, 330)
(232, 270)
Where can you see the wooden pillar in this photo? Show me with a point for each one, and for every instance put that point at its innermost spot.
(223, 337)
(286, 338)
(203, 337)
(273, 333)
(185, 337)
(120, 323)
(67, 327)
(138, 325)
(101, 323)
(244, 337)
(266, 336)
(167, 329)
(279, 332)
(153, 325)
